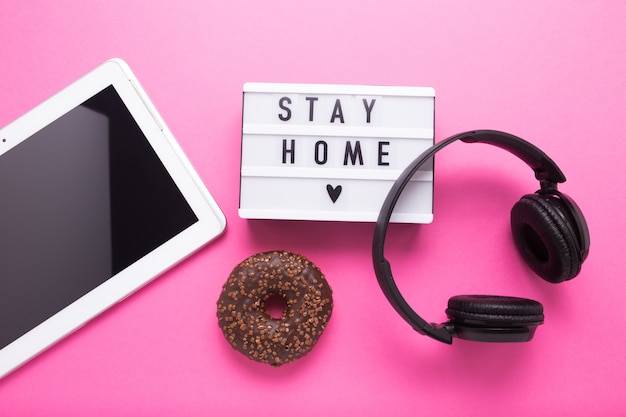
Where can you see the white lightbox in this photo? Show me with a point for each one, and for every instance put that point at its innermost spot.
(332, 152)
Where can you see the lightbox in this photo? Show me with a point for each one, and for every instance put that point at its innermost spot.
(332, 152)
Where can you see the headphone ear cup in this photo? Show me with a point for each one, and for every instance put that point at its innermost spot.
(490, 318)
(494, 310)
(544, 238)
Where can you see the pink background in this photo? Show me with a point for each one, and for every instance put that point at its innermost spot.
(550, 71)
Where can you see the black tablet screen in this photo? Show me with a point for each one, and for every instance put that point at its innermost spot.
(82, 199)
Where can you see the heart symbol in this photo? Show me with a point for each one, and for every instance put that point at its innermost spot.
(333, 192)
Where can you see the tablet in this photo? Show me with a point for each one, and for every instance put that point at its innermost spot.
(97, 200)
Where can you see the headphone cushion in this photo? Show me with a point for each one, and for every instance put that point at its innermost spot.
(493, 309)
(544, 239)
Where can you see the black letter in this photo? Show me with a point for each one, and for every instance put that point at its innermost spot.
(324, 145)
(281, 104)
(368, 109)
(311, 101)
(353, 154)
(381, 154)
(337, 112)
(291, 151)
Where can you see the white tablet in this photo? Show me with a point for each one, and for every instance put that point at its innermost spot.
(97, 200)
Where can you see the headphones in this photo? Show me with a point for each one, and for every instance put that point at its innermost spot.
(549, 231)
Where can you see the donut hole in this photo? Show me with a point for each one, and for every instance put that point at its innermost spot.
(275, 305)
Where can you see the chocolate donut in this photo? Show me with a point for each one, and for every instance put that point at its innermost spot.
(250, 328)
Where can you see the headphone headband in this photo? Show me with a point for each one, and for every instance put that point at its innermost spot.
(546, 171)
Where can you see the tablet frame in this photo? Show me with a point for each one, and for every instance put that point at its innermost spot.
(211, 221)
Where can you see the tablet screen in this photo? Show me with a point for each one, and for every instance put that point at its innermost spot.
(82, 199)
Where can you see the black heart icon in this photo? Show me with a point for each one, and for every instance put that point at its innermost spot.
(333, 192)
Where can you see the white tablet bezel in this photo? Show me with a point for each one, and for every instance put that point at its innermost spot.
(211, 221)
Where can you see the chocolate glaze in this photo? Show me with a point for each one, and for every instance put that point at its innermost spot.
(247, 324)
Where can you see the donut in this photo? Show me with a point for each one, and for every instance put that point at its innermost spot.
(249, 327)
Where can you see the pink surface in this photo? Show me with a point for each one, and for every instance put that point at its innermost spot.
(549, 71)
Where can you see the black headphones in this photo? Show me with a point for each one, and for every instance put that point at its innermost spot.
(549, 231)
